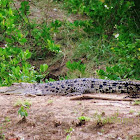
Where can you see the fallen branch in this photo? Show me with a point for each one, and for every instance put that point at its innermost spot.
(85, 97)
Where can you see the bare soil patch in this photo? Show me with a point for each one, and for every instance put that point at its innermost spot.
(54, 117)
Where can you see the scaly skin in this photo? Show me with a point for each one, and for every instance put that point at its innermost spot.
(76, 87)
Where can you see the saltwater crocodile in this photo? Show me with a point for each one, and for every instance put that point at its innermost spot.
(76, 87)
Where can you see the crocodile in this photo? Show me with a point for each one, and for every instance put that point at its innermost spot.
(78, 86)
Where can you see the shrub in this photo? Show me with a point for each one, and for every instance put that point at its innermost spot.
(75, 69)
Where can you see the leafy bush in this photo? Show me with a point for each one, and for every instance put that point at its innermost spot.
(9, 28)
(15, 68)
(76, 65)
(128, 63)
(107, 19)
(76, 68)
(17, 30)
(18, 34)
(103, 15)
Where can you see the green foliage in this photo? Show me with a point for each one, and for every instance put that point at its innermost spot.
(68, 137)
(83, 118)
(101, 14)
(104, 20)
(2, 136)
(7, 119)
(136, 102)
(17, 30)
(69, 130)
(93, 50)
(23, 112)
(49, 80)
(131, 111)
(128, 64)
(22, 103)
(109, 73)
(76, 66)
(135, 137)
(115, 34)
(3, 126)
(9, 29)
(41, 41)
(24, 9)
(14, 67)
(53, 47)
(43, 68)
(69, 133)
(50, 102)
(129, 58)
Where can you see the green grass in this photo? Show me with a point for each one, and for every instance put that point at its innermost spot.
(136, 102)
(20, 102)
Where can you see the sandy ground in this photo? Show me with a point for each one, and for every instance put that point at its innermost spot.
(56, 118)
